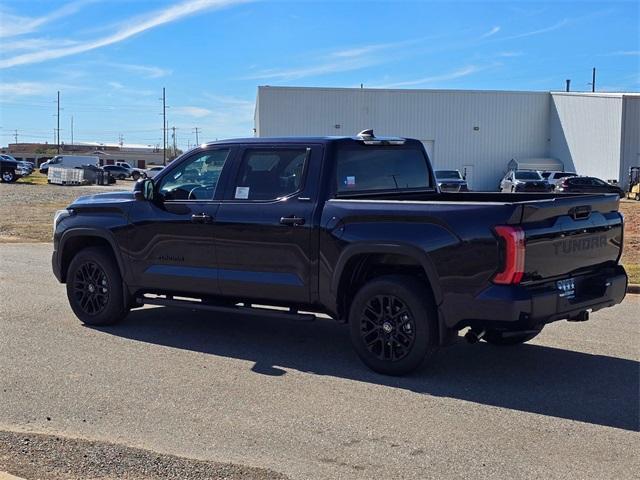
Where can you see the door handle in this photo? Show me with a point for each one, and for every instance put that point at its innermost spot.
(201, 218)
(292, 221)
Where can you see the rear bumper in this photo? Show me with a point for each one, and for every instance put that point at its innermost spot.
(521, 307)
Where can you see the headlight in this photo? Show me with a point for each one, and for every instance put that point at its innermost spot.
(59, 216)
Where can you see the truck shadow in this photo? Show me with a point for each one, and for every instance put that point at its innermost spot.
(532, 378)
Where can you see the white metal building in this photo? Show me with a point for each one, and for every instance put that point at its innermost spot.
(478, 132)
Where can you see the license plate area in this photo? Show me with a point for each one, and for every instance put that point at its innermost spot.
(566, 288)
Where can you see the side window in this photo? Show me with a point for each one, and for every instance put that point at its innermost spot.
(196, 178)
(268, 174)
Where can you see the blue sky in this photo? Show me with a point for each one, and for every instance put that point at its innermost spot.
(111, 58)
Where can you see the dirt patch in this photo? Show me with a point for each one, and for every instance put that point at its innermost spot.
(631, 254)
(28, 208)
(54, 457)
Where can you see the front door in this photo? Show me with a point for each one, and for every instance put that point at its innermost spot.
(172, 242)
(264, 225)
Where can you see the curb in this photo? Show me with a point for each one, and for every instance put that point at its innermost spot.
(8, 476)
(633, 288)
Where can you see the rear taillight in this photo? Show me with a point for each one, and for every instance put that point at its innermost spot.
(514, 251)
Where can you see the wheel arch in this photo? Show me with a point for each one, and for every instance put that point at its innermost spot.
(361, 262)
(76, 239)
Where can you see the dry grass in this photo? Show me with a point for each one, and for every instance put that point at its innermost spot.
(36, 178)
(631, 255)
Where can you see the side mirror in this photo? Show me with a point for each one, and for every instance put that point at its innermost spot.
(144, 189)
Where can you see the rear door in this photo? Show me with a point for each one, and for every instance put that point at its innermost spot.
(263, 227)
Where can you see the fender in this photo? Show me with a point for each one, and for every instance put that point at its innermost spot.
(411, 251)
(91, 232)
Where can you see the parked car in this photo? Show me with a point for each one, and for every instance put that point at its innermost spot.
(134, 173)
(451, 181)
(587, 185)
(69, 161)
(153, 171)
(524, 181)
(117, 171)
(353, 227)
(10, 170)
(554, 177)
(26, 168)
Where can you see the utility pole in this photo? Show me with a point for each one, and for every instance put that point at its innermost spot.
(174, 141)
(197, 142)
(120, 140)
(568, 80)
(58, 129)
(593, 80)
(164, 127)
(15, 135)
(72, 130)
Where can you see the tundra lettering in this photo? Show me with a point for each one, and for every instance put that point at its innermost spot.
(354, 228)
(572, 246)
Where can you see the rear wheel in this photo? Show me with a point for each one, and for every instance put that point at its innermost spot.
(94, 287)
(505, 339)
(393, 324)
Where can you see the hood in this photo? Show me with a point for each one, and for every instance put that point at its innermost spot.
(102, 198)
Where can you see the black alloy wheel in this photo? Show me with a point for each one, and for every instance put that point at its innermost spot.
(387, 328)
(393, 324)
(95, 288)
(91, 288)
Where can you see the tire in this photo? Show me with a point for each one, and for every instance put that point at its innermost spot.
(494, 337)
(91, 271)
(8, 176)
(379, 337)
(135, 176)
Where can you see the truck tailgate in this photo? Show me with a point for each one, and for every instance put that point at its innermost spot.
(564, 236)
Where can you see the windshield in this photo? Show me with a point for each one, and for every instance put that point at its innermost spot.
(366, 168)
(528, 176)
(448, 174)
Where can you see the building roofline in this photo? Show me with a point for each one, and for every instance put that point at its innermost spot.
(598, 94)
(277, 87)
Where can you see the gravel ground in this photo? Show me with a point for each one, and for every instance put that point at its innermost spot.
(52, 457)
(293, 397)
(27, 210)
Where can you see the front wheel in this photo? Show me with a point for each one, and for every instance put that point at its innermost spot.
(507, 339)
(393, 324)
(94, 287)
(8, 176)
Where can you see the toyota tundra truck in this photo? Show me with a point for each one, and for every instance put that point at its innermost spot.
(350, 227)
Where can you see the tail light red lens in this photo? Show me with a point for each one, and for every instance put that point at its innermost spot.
(513, 255)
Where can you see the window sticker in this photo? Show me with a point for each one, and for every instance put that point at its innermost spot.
(350, 181)
(242, 193)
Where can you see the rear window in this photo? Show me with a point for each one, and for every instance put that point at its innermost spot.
(527, 175)
(447, 174)
(367, 168)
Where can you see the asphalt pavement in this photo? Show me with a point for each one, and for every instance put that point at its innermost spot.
(292, 397)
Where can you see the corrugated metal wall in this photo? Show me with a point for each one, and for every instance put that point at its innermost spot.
(585, 133)
(630, 137)
(482, 130)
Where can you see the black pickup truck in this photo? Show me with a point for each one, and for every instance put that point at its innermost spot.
(352, 227)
